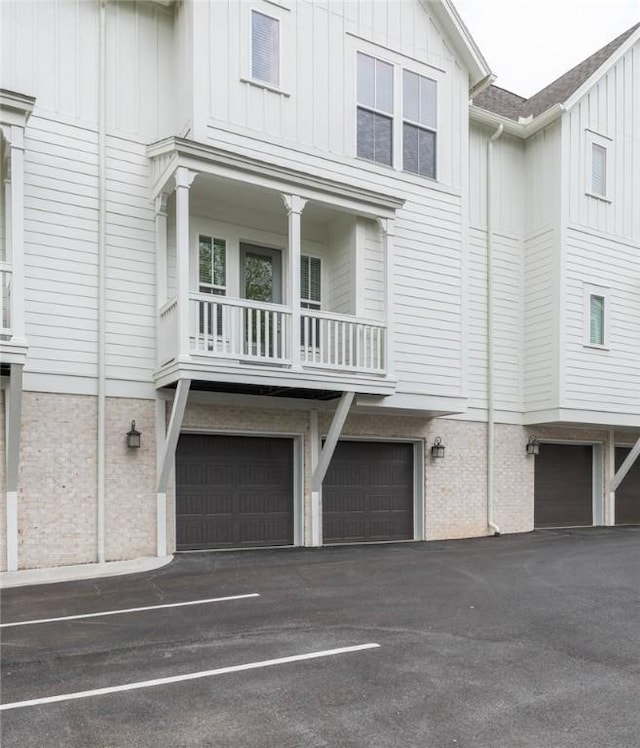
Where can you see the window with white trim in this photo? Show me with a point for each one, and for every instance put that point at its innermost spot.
(212, 265)
(265, 48)
(393, 129)
(599, 166)
(596, 316)
(310, 282)
(419, 100)
(598, 170)
(375, 109)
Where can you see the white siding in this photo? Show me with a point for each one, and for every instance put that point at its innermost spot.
(373, 272)
(50, 50)
(339, 289)
(610, 109)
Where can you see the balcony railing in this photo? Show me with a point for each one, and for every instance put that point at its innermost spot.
(258, 332)
(5, 299)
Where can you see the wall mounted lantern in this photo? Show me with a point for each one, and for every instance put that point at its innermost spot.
(133, 437)
(437, 450)
(533, 446)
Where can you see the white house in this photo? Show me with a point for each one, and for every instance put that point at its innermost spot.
(299, 243)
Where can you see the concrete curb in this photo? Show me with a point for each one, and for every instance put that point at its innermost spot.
(29, 577)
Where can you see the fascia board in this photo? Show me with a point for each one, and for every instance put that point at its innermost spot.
(602, 70)
(15, 108)
(464, 43)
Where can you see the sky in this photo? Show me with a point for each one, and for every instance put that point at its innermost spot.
(529, 43)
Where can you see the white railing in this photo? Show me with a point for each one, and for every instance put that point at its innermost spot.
(245, 330)
(168, 331)
(5, 299)
(239, 328)
(338, 341)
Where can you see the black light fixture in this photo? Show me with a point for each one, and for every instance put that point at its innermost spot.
(437, 450)
(133, 437)
(533, 446)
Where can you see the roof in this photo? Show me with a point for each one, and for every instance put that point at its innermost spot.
(512, 106)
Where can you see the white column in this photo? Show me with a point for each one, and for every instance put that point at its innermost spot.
(161, 249)
(610, 510)
(15, 213)
(387, 228)
(184, 179)
(315, 515)
(13, 421)
(161, 496)
(294, 205)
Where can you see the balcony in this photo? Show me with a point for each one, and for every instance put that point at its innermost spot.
(277, 281)
(244, 331)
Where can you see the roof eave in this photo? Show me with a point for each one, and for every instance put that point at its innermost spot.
(522, 128)
(464, 44)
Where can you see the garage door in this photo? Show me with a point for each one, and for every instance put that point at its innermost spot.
(367, 494)
(628, 492)
(233, 492)
(564, 486)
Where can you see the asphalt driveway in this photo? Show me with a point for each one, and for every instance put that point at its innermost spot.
(530, 640)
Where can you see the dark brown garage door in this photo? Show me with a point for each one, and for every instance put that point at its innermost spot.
(233, 492)
(367, 494)
(628, 492)
(563, 486)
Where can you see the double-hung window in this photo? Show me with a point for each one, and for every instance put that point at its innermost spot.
(265, 48)
(375, 109)
(212, 279)
(419, 98)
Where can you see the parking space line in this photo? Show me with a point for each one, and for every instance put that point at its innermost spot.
(186, 677)
(129, 610)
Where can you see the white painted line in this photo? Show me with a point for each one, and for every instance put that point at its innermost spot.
(129, 610)
(188, 676)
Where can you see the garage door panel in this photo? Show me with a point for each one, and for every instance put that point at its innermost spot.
(628, 492)
(368, 493)
(233, 491)
(564, 486)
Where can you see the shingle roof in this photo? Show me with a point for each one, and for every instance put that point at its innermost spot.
(510, 105)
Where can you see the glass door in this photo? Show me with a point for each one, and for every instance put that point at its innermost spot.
(261, 281)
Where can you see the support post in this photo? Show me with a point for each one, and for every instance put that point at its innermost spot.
(13, 419)
(625, 467)
(294, 205)
(387, 228)
(337, 423)
(173, 432)
(161, 248)
(161, 497)
(184, 179)
(316, 494)
(610, 512)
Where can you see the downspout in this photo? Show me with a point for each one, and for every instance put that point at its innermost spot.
(490, 398)
(102, 267)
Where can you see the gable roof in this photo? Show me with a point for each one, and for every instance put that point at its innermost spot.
(512, 106)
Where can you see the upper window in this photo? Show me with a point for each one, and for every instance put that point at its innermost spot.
(596, 319)
(409, 122)
(596, 316)
(375, 109)
(265, 48)
(419, 97)
(598, 170)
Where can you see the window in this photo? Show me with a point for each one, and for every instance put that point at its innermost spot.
(212, 279)
(375, 109)
(419, 98)
(212, 262)
(596, 316)
(310, 282)
(596, 319)
(265, 48)
(598, 170)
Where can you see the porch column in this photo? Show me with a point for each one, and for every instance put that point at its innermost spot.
(294, 205)
(184, 179)
(161, 248)
(387, 229)
(14, 213)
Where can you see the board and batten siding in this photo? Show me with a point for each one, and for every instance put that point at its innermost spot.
(50, 50)
(595, 379)
(610, 109)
